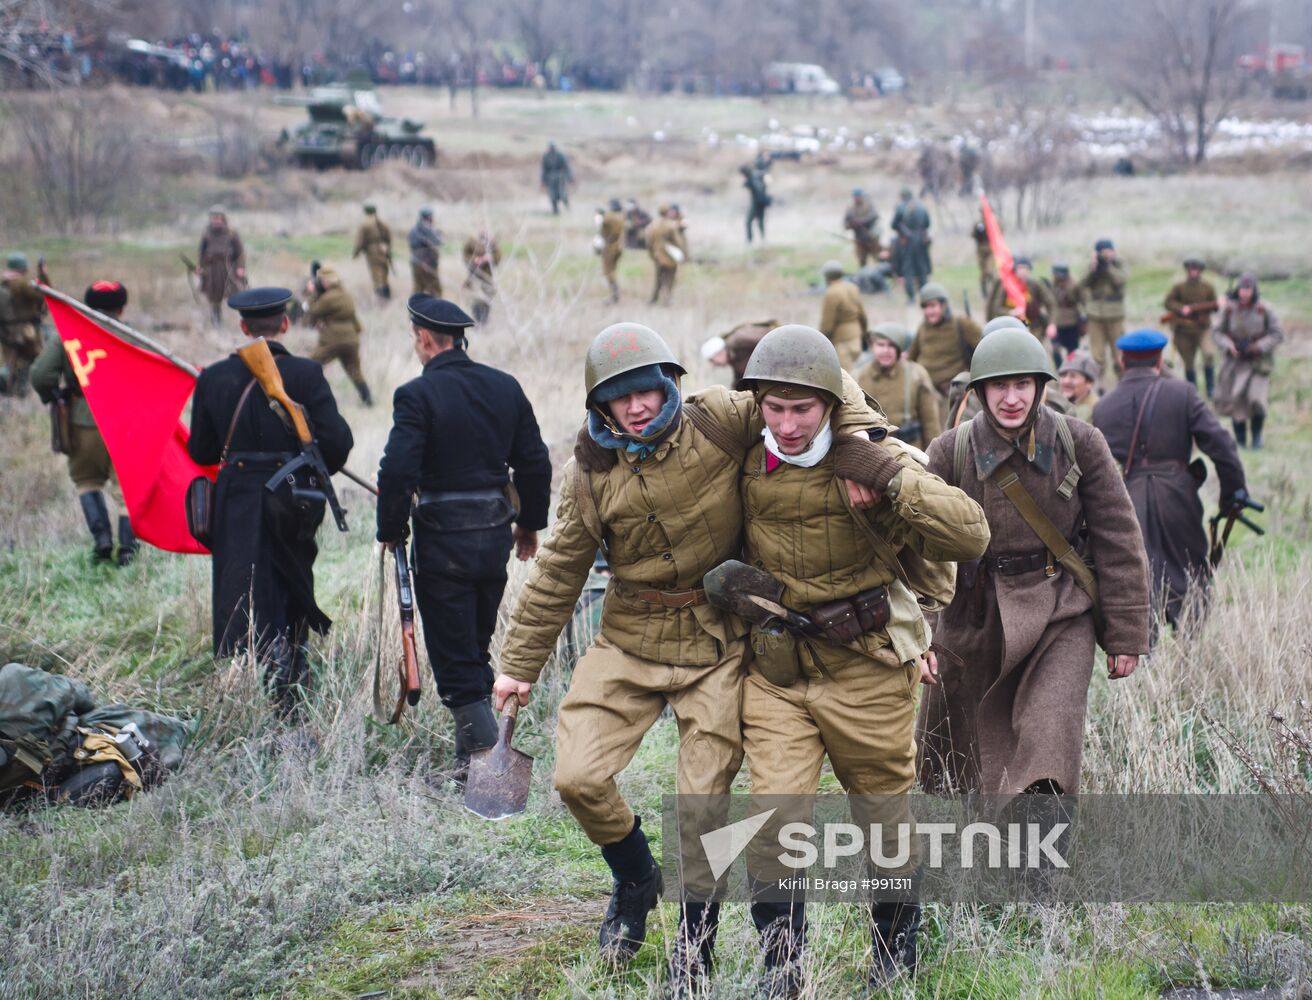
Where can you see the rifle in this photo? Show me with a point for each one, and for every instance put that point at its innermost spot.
(409, 688)
(41, 276)
(258, 359)
(1239, 503)
(192, 270)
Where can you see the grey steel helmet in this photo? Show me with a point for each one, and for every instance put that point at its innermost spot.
(622, 347)
(1003, 323)
(1008, 353)
(831, 269)
(895, 333)
(797, 355)
(932, 290)
(1195, 260)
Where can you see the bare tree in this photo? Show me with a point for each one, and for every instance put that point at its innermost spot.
(1178, 64)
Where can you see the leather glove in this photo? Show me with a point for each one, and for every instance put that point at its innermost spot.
(863, 461)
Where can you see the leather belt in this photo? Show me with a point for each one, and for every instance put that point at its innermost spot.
(1018, 563)
(1159, 465)
(442, 496)
(673, 598)
(243, 458)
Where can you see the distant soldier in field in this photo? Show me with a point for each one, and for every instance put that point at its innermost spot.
(1078, 375)
(1152, 423)
(556, 177)
(21, 308)
(911, 260)
(332, 313)
(1038, 311)
(735, 348)
(636, 221)
(374, 240)
(1016, 645)
(842, 315)
(862, 220)
(1247, 334)
(1069, 316)
(667, 249)
(220, 262)
(758, 198)
(944, 343)
(425, 242)
(482, 256)
(901, 386)
(263, 545)
(612, 246)
(89, 466)
(1104, 290)
(1191, 304)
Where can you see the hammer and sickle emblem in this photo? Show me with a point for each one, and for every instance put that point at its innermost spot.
(621, 342)
(82, 367)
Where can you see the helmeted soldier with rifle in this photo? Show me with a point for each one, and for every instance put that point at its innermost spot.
(271, 493)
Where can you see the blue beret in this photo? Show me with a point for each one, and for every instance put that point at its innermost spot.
(1141, 341)
(1104, 244)
(438, 315)
(256, 303)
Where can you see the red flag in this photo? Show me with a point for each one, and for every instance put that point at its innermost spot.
(137, 398)
(1017, 294)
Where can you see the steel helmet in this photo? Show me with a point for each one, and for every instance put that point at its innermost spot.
(1008, 353)
(622, 347)
(895, 333)
(797, 355)
(1002, 323)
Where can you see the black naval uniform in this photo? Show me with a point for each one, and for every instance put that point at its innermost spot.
(263, 542)
(1160, 482)
(456, 430)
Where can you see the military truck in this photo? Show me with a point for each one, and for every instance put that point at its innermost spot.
(347, 128)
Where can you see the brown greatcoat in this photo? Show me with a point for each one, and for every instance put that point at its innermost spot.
(662, 234)
(1018, 650)
(1164, 492)
(1252, 333)
(612, 234)
(221, 256)
(843, 320)
(374, 240)
(942, 348)
(905, 394)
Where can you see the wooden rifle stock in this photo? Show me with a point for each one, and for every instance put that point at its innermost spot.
(410, 686)
(257, 357)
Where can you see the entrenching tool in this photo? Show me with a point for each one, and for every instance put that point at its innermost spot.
(499, 776)
(753, 594)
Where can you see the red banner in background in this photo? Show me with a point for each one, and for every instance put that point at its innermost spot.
(1017, 294)
(137, 398)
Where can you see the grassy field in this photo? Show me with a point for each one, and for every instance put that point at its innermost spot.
(255, 873)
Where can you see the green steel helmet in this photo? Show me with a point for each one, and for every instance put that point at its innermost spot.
(16, 261)
(1195, 260)
(895, 333)
(622, 347)
(797, 355)
(1003, 323)
(932, 290)
(832, 269)
(1008, 353)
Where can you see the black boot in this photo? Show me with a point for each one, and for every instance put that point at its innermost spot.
(637, 888)
(287, 677)
(1241, 432)
(127, 541)
(476, 729)
(893, 928)
(1209, 377)
(97, 517)
(1259, 421)
(1191, 376)
(216, 314)
(694, 951)
(781, 925)
(366, 396)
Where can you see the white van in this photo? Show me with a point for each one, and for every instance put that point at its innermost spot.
(799, 78)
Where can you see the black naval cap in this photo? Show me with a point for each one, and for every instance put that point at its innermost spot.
(438, 315)
(256, 303)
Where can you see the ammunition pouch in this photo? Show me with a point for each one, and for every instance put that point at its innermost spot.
(61, 428)
(200, 510)
(847, 619)
(774, 650)
(968, 574)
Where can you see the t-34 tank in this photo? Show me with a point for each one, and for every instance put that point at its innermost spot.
(347, 128)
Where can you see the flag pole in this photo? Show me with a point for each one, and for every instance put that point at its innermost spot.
(122, 329)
